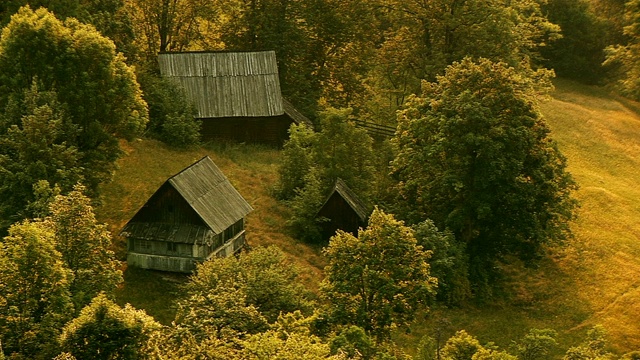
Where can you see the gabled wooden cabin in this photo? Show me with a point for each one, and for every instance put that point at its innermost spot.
(343, 210)
(195, 215)
(237, 94)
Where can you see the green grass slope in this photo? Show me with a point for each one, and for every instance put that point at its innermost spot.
(592, 279)
(600, 268)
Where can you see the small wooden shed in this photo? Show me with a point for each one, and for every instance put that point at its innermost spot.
(195, 215)
(343, 211)
(237, 94)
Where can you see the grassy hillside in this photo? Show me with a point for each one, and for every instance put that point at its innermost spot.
(600, 268)
(148, 163)
(593, 279)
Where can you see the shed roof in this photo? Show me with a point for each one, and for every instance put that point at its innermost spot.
(351, 198)
(295, 115)
(211, 194)
(227, 84)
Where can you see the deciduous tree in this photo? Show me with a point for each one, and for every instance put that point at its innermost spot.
(104, 330)
(85, 246)
(34, 291)
(242, 294)
(624, 57)
(36, 149)
(97, 89)
(379, 278)
(475, 156)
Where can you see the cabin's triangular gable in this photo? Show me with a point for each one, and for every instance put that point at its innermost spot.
(344, 211)
(341, 189)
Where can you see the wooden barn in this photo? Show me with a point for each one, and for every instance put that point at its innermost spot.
(237, 94)
(343, 210)
(194, 215)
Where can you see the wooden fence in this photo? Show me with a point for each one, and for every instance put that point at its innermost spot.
(376, 129)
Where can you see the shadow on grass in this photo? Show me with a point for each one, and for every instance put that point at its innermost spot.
(153, 291)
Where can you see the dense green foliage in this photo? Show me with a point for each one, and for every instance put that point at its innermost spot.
(241, 295)
(624, 57)
(36, 149)
(106, 331)
(34, 291)
(473, 154)
(85, 246)
(313, 161)
(172, 118)
(96, 88)
(379, 278)
(448, 262)
(580, 52)
(475, 157)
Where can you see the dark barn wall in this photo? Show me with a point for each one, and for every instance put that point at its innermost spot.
(167, 206)
(341, 216)
(263, 130)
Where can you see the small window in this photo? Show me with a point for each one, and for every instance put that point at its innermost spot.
(172, 247)
(144, 245)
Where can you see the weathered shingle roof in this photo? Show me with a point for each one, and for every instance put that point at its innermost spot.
(295, 115)
(227, 84)
(211, 194)
(351, 198)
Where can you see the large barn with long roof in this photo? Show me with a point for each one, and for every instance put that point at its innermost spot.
(195, 215)
(237, 94)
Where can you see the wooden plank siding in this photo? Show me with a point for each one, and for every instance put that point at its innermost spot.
(167, 206)
(263, 130)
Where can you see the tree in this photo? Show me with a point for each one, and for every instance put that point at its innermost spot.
(448, 263)
(461, 346)
(474, 155)
(296, 160)
(35, 150)
(34, 291)
(85, 247)
(379, 278)
(592, 348)
(289, 339)
(171, 25)
(624, 57)
(106, 331)
(338, 150)
(97, 89)
(242, 294)
(304, 223)
(419, 39)
(313, 161)
(537, 344)
(172, 117)
(580, 52)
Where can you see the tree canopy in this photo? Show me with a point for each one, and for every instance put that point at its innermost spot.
(475, 156)
(379, 278)
(96, 88)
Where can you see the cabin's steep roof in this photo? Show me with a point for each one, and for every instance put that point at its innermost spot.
(211, 194)
(351, 198)
(227, 84)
